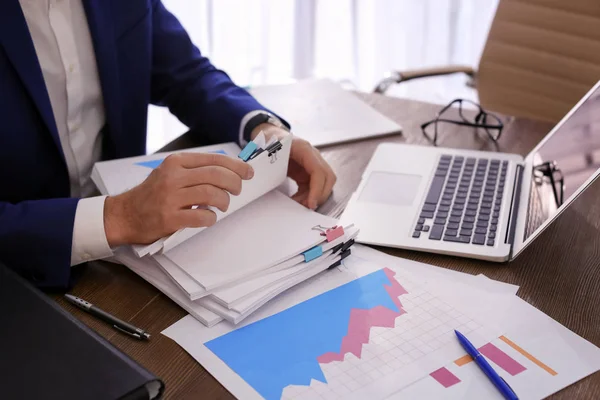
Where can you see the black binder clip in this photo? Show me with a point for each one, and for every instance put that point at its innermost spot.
(272, 151)
(343, 256)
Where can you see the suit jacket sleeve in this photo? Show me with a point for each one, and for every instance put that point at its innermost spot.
(200, 95)
(36, 238)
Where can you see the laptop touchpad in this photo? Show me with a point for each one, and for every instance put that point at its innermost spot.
(390, 188)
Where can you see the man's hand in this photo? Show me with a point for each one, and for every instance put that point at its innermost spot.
(312, 173)
(162, 204)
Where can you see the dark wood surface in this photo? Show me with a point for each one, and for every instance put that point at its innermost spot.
(559, 273)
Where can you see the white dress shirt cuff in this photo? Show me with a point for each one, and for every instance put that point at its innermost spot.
(242, 141)
(89, 237)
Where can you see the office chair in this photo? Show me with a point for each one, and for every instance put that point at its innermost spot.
(540, 58)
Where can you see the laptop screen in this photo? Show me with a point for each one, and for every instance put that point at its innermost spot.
(564, 163)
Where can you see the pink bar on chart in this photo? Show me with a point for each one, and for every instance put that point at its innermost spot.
(501, 359)
(445, 377)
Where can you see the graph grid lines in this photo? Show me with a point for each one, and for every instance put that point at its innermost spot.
(427, 325)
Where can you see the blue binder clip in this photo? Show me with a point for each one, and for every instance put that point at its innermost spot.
(248, 151)
(313, 253)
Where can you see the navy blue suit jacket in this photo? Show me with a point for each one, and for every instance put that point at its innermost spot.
(144, 56)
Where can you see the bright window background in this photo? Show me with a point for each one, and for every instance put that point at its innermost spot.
(355, 41)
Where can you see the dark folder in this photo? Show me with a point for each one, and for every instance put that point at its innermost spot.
(46, 353)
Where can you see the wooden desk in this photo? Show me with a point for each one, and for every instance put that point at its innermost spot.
(559, 274)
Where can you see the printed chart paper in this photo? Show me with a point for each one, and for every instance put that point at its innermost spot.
(364, 330)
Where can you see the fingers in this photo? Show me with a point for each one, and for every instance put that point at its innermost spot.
(199, 160)
(322, 180)
(330, 181)
(214, 175)
(206, 195)
(196, 218)
(301, 196)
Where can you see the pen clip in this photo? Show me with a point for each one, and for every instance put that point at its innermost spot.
(135, 335)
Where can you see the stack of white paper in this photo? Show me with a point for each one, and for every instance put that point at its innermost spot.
(267, 244)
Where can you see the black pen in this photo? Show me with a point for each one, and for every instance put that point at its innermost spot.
(103, 315)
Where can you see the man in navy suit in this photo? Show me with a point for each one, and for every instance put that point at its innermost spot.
(76, 79)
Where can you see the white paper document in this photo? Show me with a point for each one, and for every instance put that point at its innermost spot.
(381, 327)
(147, 268)
(264, 233)
(117, 176)
(323, 113)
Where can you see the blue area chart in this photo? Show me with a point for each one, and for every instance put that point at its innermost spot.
(152, 164)
(286, 348)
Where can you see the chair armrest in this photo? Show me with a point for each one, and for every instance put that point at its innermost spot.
(403, 76)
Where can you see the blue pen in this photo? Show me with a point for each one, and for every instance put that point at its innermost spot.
(487, 369)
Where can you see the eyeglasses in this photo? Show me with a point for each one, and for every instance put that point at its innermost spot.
(483, 120)
(550, 170)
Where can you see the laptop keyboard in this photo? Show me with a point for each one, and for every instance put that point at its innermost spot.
(464, 201)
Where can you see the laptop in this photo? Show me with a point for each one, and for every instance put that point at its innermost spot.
(476, 204)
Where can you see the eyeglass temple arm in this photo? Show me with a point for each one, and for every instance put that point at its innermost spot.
(394, 77)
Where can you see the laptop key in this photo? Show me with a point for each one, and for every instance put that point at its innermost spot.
(466, 232)
(459, 200)
(482, 224)
(440, 173)
(493, 228)
(429, 207)
(419, 228)
(496, 215)
(490, 242)
(478, 239)
(494, 221)
(427, 214)
(444, 208)
(469, 219)
(454, 219)
(472, 207)
(453, 225)
(421, 221)
(456, 213)
(440, 221)
(480, 231)
(484, 217)
(467, 225)
(425, 228)
(446, 203)
(416, 234)
(484, 211)
(465, 239)
(435, 190)
(492, 235)
(451, 239)
(442, 214)
(470, 213)
(436, 232)
(451, 232)
(496, 208)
